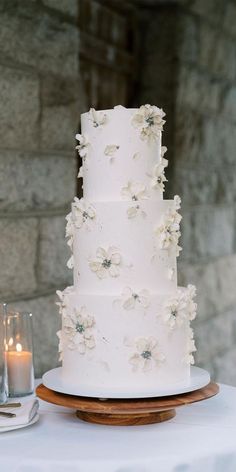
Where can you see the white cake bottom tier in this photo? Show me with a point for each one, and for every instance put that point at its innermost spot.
(135, 241)
(111, 348)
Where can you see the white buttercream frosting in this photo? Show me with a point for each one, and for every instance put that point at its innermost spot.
(125, 324)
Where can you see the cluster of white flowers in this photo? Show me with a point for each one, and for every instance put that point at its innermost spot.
(149, 120)
(147, 354)
(98, 118)
(78, 328)
(168, 232)
(83, 145)
(181, 308)
(134, 191)
(107, 262)
(132, 298)
(189, 358)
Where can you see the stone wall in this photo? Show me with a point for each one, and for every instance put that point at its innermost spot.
(189, 68)
(40, 108)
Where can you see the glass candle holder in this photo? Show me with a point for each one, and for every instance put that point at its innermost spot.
(3, 364)
(19, 354)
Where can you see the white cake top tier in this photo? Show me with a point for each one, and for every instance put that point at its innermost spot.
(122, 154)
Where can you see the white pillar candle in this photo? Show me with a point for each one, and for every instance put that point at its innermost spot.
(19, 371)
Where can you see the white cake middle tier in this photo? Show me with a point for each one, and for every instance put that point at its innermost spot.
(121, 245)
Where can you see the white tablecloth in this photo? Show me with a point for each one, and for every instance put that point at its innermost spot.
(201, 438)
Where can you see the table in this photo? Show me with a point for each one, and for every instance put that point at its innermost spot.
(202, 437)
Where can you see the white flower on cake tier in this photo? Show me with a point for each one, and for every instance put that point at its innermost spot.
(147, 355)
(70, 262)
(168, 232)
(107, 262)
(163, 151)
(180, 308)
(61, 303)
(149, 120)
(110, 150)
(78, 327)
(158, 176)
(131, 298)
(191, 347)
(98, 118)
(69, 230)
(83, 145)
(83, 213)
(134, 191)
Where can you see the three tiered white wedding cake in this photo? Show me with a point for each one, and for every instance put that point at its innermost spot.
(125, 323)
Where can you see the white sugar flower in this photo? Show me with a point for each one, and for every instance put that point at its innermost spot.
(191, 305)
(69, 230)
(158, 176)
(98, 118)
(168, 232)
(163, 151)
(83, 213)
(70, 262)
(180, 308)
(134, 191)
(149, 120)
(110, 150)
(147, 355)
(177, 202)
(83, 145)
(175, 311)
(190, 348)
(131, 298)
(61, 303)
(78, 327)
(107, 262)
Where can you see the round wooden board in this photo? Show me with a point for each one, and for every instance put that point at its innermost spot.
(126, 412)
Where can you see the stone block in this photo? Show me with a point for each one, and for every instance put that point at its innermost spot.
(197, 185)
(229, 102)
(226, 273)
(34, 181)
(212, 52)
(214, 336)
(207, 232)
(218, 141)
(60, 113)
(53, 253)
(38, 38)
(189, 126)
(69, 7)
(187, 38)
(194, 87)
(19, 112)
(229, 16)
(213, 9)
(18, 246)
(46, 323)
(215, 282)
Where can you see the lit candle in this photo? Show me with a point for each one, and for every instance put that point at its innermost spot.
(19, 371)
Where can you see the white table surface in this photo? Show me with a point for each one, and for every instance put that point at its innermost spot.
(201, 438)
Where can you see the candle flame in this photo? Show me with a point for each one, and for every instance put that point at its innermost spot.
(18, 347)
(10, 342)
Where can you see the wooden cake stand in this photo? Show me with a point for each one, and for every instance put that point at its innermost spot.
(126, 412)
